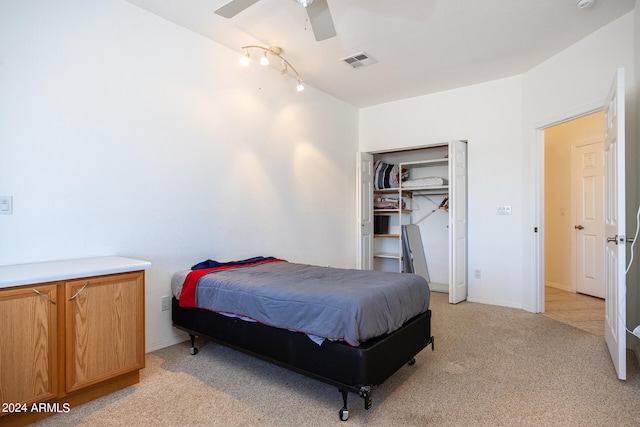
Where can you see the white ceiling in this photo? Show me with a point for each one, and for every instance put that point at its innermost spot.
(420, 46)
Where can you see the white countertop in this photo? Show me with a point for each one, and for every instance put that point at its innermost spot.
(41, 272)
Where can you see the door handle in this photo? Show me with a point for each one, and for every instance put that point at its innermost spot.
(613, 239)
(578, 227)
(78, 293)
(44, 296)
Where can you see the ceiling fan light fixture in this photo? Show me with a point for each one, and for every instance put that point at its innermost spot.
(305, 3)
(317, 11)
(583, 4)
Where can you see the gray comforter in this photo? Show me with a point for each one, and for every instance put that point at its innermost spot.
(333, 303)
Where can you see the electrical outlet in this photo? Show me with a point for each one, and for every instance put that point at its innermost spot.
(477, 274)
(165, 303)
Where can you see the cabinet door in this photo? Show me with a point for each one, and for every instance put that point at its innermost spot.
(104, 328)
(28, 344)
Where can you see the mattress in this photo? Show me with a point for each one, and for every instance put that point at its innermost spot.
(176, 282)
(338, 304)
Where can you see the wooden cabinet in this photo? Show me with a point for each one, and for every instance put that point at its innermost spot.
(104, 328)
(28, 344)
(67, 342)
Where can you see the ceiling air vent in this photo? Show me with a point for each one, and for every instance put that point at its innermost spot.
(358, 60)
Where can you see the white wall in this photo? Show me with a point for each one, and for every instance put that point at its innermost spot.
(121, 133)
(499, 119)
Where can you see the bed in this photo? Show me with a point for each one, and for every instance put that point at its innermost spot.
(348, 328)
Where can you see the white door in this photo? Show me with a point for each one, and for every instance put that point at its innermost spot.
(458, 222)
(364, 177)
(615, 256)
(589, 223)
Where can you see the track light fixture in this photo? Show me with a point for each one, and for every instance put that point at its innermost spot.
(276, 51)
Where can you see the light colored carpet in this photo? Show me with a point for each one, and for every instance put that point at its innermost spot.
(492, 366)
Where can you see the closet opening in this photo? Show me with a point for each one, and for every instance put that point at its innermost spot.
(413, 214)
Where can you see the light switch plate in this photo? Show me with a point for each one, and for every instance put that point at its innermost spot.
(504, 210)
(6, 205)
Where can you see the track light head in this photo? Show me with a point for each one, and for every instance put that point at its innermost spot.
(244, 60)
(264, 60)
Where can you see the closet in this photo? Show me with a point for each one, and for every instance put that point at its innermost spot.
(412, 214)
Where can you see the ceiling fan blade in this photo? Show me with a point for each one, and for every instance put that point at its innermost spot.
(320, 19)
(234, 7)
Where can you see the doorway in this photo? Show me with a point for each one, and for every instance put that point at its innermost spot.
(570, 248)
(578, 310)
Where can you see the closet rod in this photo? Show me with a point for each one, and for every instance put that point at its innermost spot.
(430, 194)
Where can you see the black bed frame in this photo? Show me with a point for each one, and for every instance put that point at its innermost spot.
(354, 369)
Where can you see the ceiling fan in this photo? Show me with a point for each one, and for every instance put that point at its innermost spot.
(317, 11)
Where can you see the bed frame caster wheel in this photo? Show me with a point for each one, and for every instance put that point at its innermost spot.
(344, 414)
(412, 361)
(193, 350)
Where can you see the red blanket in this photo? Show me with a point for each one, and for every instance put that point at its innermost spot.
(190, 285)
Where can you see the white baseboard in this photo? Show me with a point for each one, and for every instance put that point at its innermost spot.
(495, 302)
(439, 287)
(562, 287)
